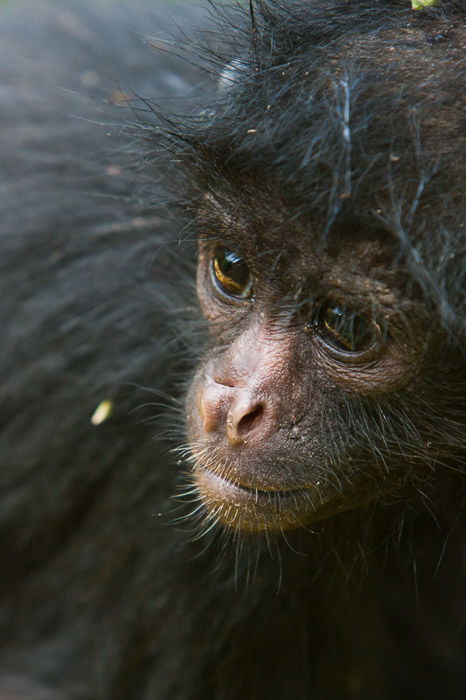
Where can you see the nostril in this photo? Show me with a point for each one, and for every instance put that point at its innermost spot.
(250, 421)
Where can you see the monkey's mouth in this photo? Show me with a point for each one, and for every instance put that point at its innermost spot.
(255, 510)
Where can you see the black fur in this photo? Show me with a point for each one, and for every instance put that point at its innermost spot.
(105, 594)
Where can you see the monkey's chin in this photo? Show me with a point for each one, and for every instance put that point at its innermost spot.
(254, 510)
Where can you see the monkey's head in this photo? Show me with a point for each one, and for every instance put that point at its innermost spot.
(327, 200)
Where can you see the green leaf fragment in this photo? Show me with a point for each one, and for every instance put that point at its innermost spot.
(422, 4)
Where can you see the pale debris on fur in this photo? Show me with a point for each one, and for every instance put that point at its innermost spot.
(102, 412)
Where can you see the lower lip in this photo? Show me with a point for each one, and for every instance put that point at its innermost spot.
(254, 510)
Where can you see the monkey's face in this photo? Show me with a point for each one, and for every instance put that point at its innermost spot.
(286, 415)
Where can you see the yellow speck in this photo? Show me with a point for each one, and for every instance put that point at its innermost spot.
(103, 411)
(421, 4)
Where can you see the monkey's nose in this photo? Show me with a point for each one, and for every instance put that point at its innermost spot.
(233, 411)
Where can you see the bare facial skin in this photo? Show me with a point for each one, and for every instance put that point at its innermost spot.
(291, 352)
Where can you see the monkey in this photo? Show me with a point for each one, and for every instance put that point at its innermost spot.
(232, 368)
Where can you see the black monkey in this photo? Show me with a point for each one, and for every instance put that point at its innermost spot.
(317, 550)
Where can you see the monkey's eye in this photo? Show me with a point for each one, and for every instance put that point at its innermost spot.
(231, 274)
(344, 330)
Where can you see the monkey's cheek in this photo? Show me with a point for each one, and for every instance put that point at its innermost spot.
(252, 510)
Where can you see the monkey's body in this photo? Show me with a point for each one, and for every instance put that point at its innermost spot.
(104, 593)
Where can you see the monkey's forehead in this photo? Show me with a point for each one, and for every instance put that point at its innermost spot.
(261, 227)
(365, 117)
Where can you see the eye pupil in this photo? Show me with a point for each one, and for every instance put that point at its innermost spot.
(345, 330)
(231, 273)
